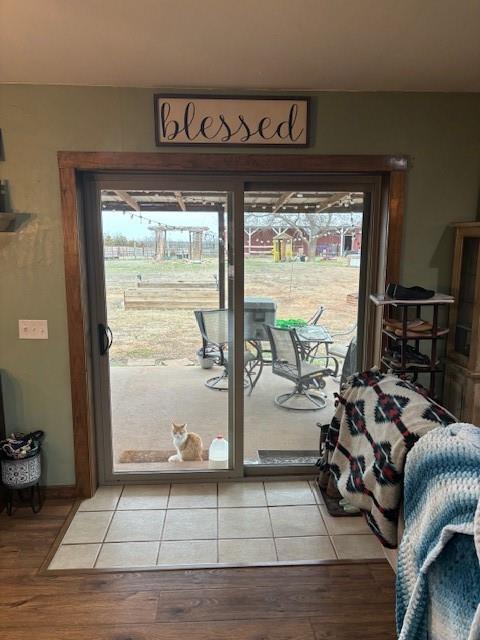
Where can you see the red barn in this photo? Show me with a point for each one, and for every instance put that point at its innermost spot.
(330, 242)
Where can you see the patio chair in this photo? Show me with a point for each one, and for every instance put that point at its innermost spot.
(340, 350)
(313, 345)
(349, 362)
(348, 369)
(213, 325)
(288, 362)
(313, 320)
(213, 329)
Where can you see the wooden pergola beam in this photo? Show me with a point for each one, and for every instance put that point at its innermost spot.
(281, 201)
(127, 198)
(180, 200)
(336, 197)
(169, 227)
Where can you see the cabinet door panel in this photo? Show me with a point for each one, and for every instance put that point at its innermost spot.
(454, 393)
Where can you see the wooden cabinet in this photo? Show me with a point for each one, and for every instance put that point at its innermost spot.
(2, 413)
(462, 376)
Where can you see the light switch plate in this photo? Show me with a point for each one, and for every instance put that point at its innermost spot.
(33, 329)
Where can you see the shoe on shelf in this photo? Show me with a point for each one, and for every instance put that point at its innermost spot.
(392, 363)
(396, 363)
(399, 292)
(413, 358)
(415, 328)
(418, 334)
(423, 327)
(393, 323)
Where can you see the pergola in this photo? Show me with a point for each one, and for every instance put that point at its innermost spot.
(256, 202)
(195, 238)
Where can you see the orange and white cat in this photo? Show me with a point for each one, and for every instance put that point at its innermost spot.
(189, 446)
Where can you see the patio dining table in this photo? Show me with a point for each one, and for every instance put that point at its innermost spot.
(311, 338)
(258, 312)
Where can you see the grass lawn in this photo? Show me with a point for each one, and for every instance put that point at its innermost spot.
(297, 287)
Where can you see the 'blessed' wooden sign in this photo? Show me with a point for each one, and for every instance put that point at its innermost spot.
(230, 120)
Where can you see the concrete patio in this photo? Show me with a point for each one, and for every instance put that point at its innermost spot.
(146, 399)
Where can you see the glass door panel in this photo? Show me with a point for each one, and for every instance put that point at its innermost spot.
(166, 341)
(303, 252)
(180, 290)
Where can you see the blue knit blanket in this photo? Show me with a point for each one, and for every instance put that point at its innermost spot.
(438, 573)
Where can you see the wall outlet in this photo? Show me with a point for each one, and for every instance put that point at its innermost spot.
(33, 329)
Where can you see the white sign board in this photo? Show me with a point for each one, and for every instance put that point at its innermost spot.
(225, 120)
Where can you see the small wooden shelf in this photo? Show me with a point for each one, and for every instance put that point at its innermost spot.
(381, 299)
(420, 336)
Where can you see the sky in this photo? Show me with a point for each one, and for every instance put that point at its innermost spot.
(119, 222)
(134, 229)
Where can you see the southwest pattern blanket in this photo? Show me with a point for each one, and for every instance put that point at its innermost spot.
(379, 418)
(438, 579)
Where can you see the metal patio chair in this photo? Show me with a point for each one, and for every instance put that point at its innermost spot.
(312, 338)
(340, 350)
(213, 325)
(350, 364)
(313, 320)
(288, 361)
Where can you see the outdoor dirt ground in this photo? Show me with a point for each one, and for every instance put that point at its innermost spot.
(298, 288)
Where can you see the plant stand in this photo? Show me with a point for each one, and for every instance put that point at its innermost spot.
(34, 499)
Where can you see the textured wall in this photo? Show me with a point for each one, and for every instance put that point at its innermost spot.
(441, 132)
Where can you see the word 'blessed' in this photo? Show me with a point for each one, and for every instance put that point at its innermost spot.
(229, 121)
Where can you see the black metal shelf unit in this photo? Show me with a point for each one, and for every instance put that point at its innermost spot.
(437, 333)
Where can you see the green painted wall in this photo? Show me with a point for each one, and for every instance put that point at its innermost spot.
(441, 132)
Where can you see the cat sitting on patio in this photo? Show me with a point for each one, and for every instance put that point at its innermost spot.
(189, 446)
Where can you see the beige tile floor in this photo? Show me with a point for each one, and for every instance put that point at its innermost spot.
(232, 523)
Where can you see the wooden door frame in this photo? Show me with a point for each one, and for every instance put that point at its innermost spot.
(392, 170)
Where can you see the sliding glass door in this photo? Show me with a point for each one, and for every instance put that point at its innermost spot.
(303, 255)
(223, 316)
(163, 308)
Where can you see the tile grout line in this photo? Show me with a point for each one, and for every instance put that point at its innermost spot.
(133, 541)
(271, 525)
(303, 535)
(266, 496)
(326, 529)
(167, 506)
(105, 536)
(119, 498)
(332, 535)
(163, 524)
(100, 543)
(100, 546)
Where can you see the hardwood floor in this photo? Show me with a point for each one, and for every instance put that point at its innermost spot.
(336, 602)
